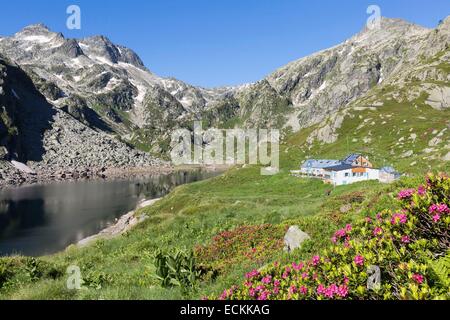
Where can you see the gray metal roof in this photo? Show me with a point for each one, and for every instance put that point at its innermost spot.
(340, 167)
(320, 164)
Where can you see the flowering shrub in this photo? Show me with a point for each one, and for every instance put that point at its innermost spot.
(251, 243)
(402, 244)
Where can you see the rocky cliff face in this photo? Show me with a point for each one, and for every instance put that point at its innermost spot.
(319, 85)
(47, 138)
(104, 85)
(95, 89)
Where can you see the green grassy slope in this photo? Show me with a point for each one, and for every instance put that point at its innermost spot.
(190, 216)
(409, 135)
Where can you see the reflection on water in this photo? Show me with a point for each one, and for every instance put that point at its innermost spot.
(43, 219)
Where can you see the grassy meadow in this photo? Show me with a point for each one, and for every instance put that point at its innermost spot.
(236, 222)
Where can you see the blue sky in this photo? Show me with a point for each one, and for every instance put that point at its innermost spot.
(218, 42)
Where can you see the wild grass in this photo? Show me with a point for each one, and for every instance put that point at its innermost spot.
(123, 268)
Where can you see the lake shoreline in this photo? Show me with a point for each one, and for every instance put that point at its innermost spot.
(21, 179)
(127, 221)
(122, 225)
(114, 216)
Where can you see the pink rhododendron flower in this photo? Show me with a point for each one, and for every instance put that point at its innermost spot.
(297, 267)
(368, 219)
(252, 274)
(342, 291)
(418, 278)
(315, 260)
(405, 194)
(304, 275)
(264, 295)
(276, 290)
(292, 289)
(439, 208)
(399, 218)
(224, 295)
(342, 234)
(276, 283)
(228, 293)
(377, 231)
(436, 217)
(267, 279)
(359, 260)
(260, 288)
(421, 190)
(321, 289)
(252, 292)
(331, 291)
(406, 239)
(303, 290)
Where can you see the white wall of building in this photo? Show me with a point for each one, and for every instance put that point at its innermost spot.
(343, 177)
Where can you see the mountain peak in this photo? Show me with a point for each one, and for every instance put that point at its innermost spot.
(394, 25)
(444, 23)
(389, 28)
(101, 46)
(98, 39)
(35, 28)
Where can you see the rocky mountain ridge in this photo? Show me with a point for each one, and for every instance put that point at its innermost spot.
(49, 139)
(99, 89)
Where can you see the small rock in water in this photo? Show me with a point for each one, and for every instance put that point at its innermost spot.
(294, 238)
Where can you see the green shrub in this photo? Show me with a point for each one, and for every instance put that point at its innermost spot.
(177, 269)
(96, 279)
(244, 243)
(441, 269)
(404, 245)
(21, 270)
(5, 273)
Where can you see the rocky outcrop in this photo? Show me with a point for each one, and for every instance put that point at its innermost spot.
(111, 80)
(439, 98)
(328, 132)
(51, 142)
(95, 90)
(294, 238)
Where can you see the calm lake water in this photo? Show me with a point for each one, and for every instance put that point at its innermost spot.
(44, 219)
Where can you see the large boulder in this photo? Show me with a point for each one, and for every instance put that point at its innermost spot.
(294, 238)
(3, 153)
(439, 98)
(447, 157)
